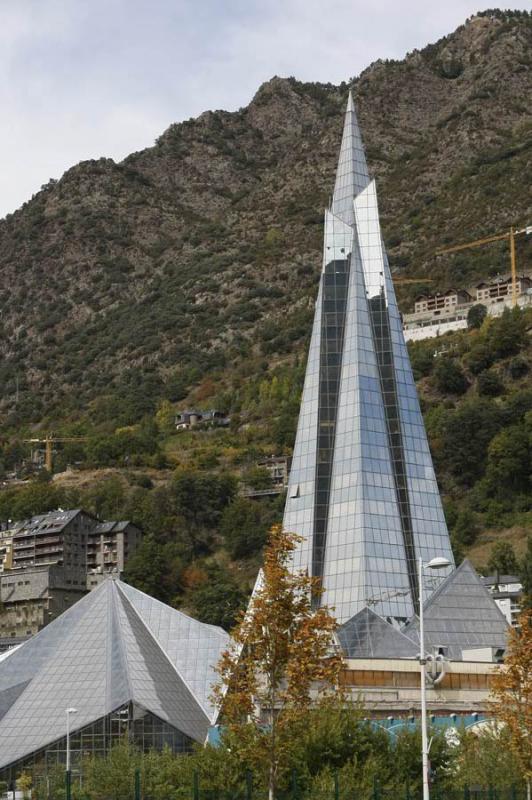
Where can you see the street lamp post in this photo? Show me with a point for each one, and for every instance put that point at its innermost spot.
(435, 563)
(69, 711)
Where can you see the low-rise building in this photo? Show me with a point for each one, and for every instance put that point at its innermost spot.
(50, 560)
(435, 315)
(278, 467)
(34, 596)
(441, 300)
(507, 591)
(204, 419)
(109, 546)
(500, 288)
(58, 537)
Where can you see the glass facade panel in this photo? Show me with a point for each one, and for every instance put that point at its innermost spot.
(131, 722)
(367, 502)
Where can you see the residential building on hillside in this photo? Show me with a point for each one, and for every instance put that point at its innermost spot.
(109, 546)
(32, 597)
(58, 537)
(500, 288)
(51, 560)
(435, 315)
(444, 300)
(203, 419)
(6, 546)
(278, 467)
(507, 591)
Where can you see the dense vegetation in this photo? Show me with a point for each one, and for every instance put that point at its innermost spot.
(161, 277)
(336, 745)
(204, 539)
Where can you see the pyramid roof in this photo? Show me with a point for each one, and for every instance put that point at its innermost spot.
(460, 615)
(352, 174)
(366, 635)
(116, 645)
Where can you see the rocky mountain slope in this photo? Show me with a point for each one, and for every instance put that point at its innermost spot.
(195, 256)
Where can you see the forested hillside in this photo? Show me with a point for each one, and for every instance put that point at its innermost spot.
(186, 277)
(125, 284)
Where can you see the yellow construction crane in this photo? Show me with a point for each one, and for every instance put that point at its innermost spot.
(510, 236)
(48, 443)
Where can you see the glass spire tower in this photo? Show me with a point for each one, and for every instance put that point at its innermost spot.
(362, 490)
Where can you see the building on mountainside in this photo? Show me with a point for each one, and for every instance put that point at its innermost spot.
(507, 591)
(362, 492)
(501, 288)
(276, 469)
(6, 546)
(437, 314)
(202, 419)
(130, 666)
(444, 300)
(32, 597)
(109, 546)
(58, 537)
(53, 559)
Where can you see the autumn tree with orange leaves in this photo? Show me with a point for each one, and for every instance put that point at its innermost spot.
(512, 694)
(283, 659)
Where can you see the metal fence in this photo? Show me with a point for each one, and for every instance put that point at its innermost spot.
(247, 791)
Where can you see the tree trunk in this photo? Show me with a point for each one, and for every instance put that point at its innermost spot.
(273, 747)
(271, 783)
(528, 789)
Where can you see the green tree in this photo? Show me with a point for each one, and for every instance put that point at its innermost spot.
(465, 435)
(243, 526)
(518, 367)
(489, 384)
(480, 357)
(484, 758)
(405, 755)
(156, 569)
(421, 358)
(476, 315)
(509, 460)
(503, 560)
(449, 377)
(507, 334)
(465, 529)
(201, 498)
(219, 601)
(257, 478)
(280, 650)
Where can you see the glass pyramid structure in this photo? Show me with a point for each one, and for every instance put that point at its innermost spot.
(362, 490)
(117, 656)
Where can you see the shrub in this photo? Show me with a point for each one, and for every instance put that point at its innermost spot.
(517, 367)
(476, 315)
(449, 377)
(489, 384)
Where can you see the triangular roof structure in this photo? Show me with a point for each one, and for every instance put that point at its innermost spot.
(362, 491)
(366, 635)
(352, 174)
(115, 646)
(460, 615)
